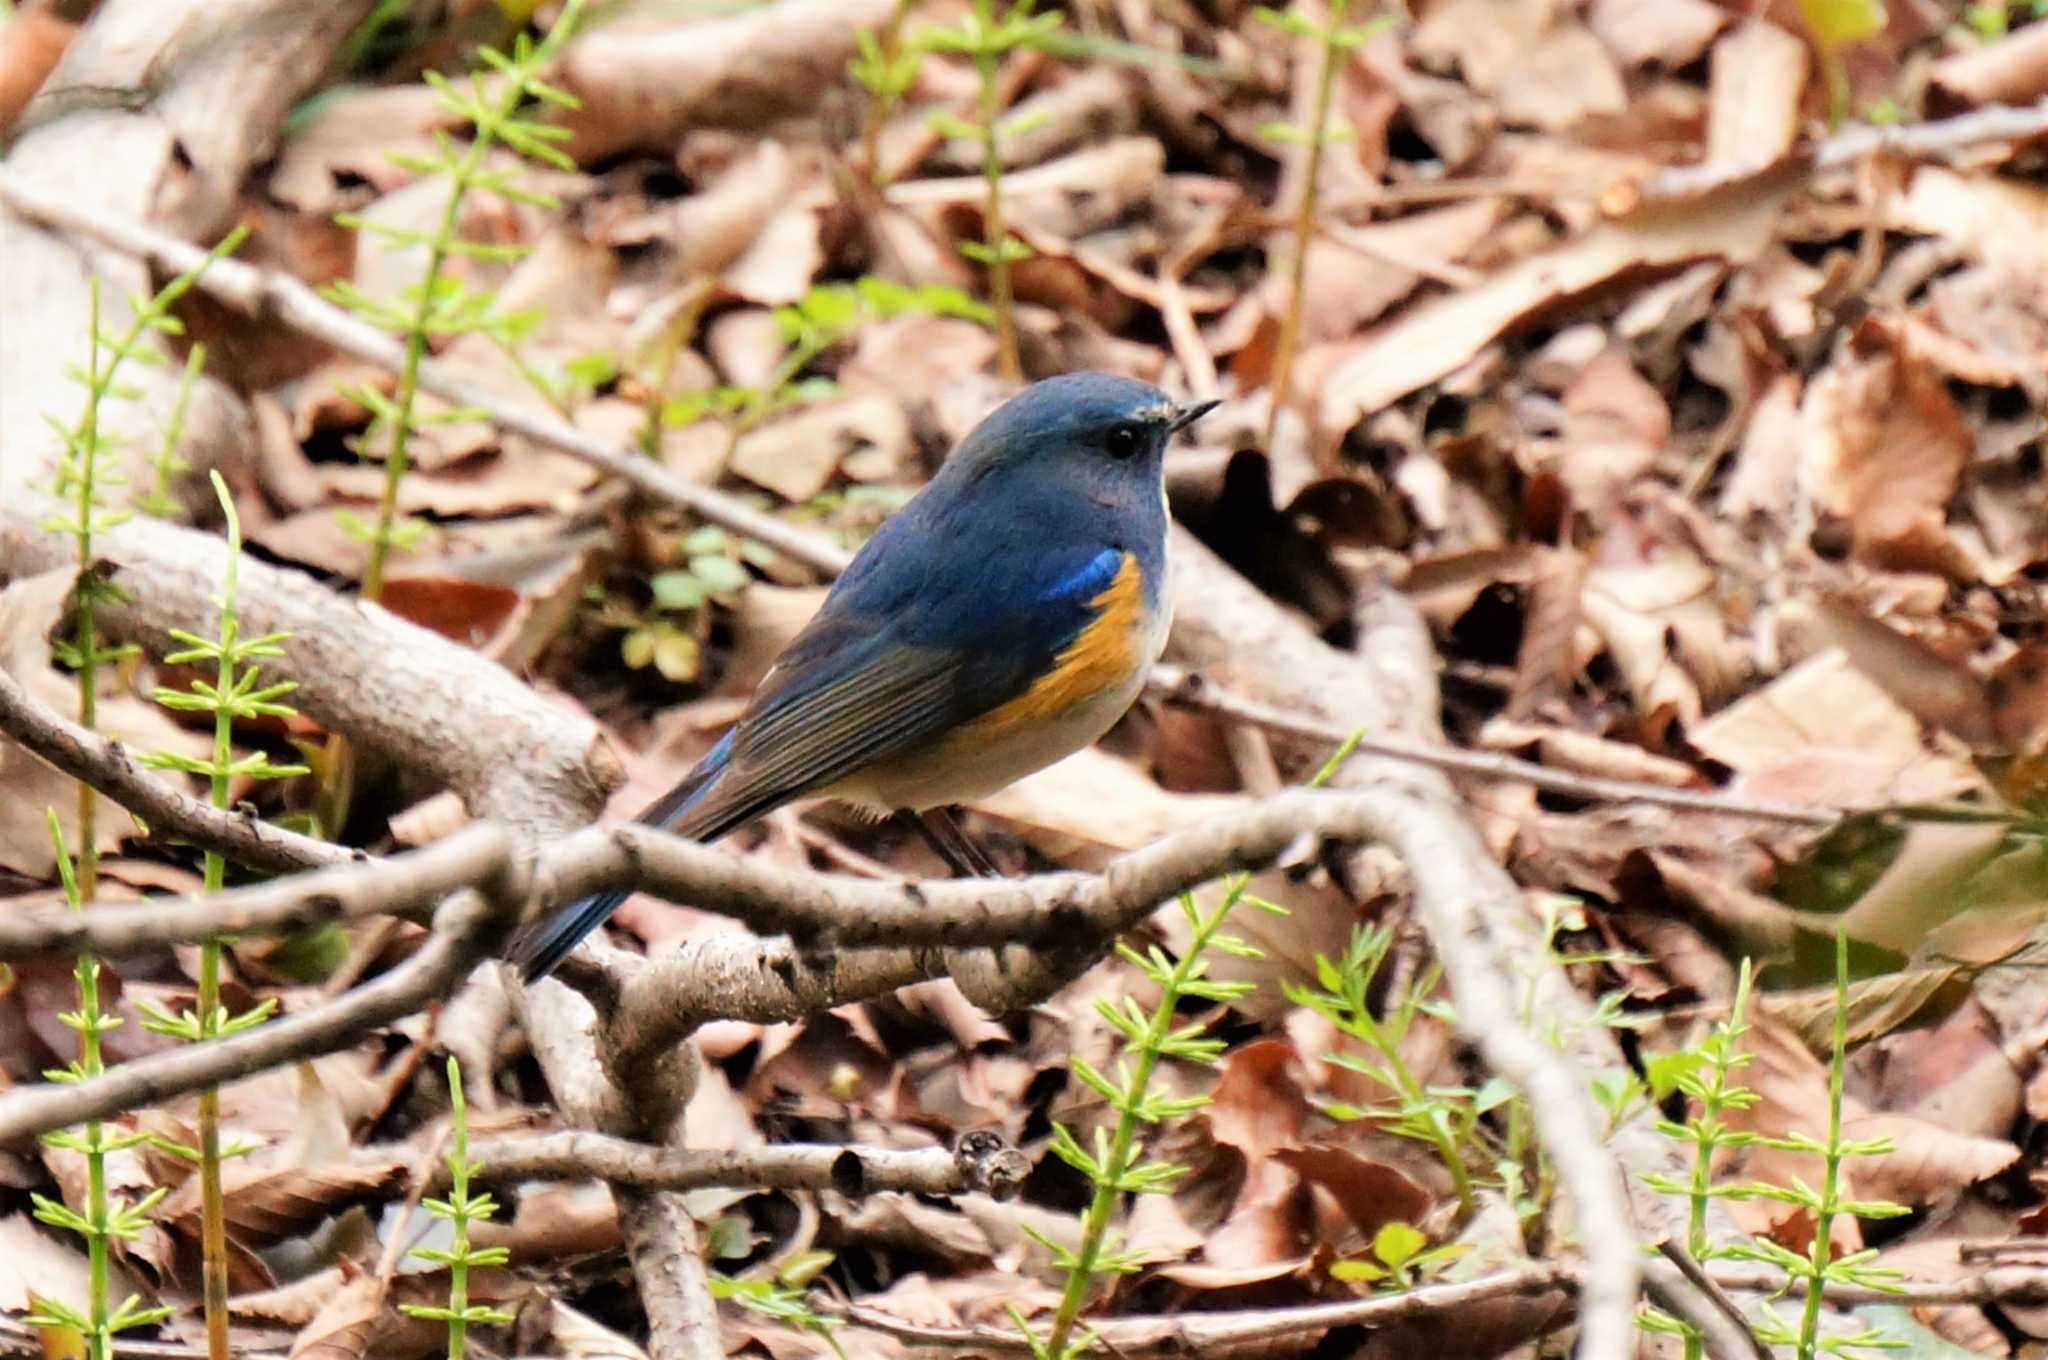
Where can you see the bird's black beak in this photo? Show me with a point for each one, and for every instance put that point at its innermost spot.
(1188, 414)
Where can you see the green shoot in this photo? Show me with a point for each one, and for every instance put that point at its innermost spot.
(107, 1219)
(1337, 41)
(460, 1209)
(1707, 1077)
(441, 305)
(1445, 1118)
(782, 1297)
(1834, 24)
(1111, 1164)
(81, 486)
(166, 464)
(827, 314)
(1401, 1259)
(1819, 1267)
(886, 67)
(233, 693)
(987, 39)
(1712, 1086)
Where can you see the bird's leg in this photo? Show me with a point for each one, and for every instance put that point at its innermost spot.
(950, 843)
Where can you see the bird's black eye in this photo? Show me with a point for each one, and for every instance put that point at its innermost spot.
(1123, 441)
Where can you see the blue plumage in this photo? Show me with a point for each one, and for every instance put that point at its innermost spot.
(959, 603)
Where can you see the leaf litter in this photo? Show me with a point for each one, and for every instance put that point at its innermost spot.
(1711, 469)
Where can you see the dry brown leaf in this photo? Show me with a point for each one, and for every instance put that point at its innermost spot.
(30, 610)
(644, 83)
(1933, 687)
(1371, 1194)
(347, 146)
(1565, 77)
(1382, 263)
(1757, 79)
(269, 1204)
(1670, 33)
(1434, 339)
(1884, 444)
(35, 1260)
(1584, 753)
(797, 456)
(1823, 732)
(781, 262)
(2013, 70)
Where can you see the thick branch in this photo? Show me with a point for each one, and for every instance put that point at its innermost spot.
(395, 688)
(167, 810)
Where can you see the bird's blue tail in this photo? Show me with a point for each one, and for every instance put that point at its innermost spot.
(549, 942)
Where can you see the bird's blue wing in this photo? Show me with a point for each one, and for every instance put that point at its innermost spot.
(886, 668)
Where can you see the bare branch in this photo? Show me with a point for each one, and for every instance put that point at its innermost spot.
(982, 1164)
(468, 927)
(1172, 685)
(1212, 1333)
(169, 812)
(403, 886)
(1735, 1333)
(1217, 1332)
(395, 688)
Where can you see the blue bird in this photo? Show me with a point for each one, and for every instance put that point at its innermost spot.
(1001, 620)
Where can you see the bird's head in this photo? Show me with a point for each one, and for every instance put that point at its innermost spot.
(1105, 434)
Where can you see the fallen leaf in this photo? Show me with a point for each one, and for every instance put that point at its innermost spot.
(797, 456)
(644, 83)
(1670, 33)
(1435, 338)
(1884, 445)
(1756, 81)
(270, 1204)
(2012, 70)
(1822, 715)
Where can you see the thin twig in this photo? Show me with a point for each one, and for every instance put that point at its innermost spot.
(269, 292)
(1186, 689)
(1674, 1251)
(168, 811)
(469, 927)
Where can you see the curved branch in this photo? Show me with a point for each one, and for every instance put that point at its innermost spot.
(167, 810)
(402, 886)
(467, 928)
(392, 686)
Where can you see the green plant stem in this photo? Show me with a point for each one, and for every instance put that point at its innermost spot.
(213, 1217)
(458, 1248)
(1108, 1188)
(888, 41)
(100, 1340)
(1304, 226)
(995, 229)
(397, 457)
(1821, 1254)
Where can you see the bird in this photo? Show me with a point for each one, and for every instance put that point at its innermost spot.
(1003, 618)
